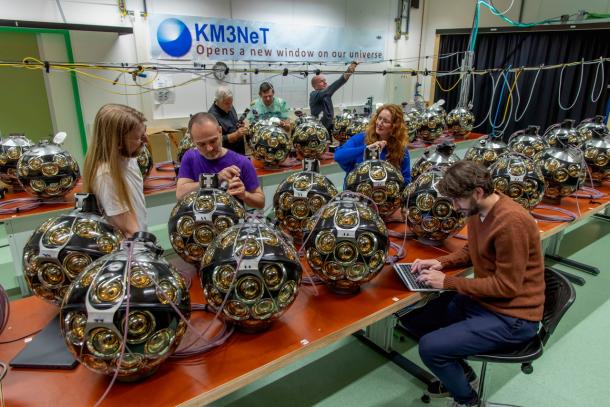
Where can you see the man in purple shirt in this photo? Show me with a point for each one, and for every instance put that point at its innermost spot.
(211, 157)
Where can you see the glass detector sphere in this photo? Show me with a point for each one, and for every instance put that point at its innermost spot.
(310, 139)
(299, 197)
(347, 244)
(378, 180)
(597, 157)
(62, 247)
(200, 216)
(430, 214)
(357, 125)
(47, 170)
(186, 144)
(460, 122)
(527, 141)
(413, 121)
(340, 125)
(145, 160)
(517, 176)
(11, 150)
(305, 118)
(251, 274)
(486, 151)
(441, 157)
(432, 125)
(563, 170)
(593, 127)
(564, 134)
(271, 145)
(94, 312)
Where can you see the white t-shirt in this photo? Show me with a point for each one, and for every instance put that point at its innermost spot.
(106, 193)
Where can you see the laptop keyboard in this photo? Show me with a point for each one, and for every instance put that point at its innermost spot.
(410, 279)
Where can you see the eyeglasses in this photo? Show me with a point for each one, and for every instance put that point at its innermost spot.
(383, 121)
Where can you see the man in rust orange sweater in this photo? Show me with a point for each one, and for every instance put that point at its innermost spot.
(498, 308)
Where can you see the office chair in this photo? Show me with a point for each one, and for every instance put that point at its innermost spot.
(559, 297)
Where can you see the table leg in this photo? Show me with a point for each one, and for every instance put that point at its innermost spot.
(17, 241)
(383, 331)
(550, 247)
(602, 216)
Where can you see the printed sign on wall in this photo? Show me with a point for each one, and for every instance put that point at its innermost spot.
(199, 38)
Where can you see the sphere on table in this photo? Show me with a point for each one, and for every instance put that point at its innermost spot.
(346, 244)
(441, 158)
(431, 215)
(380, 181)
(145, 160)
(11, 150)
(62, 247)
(200, 216)
(486, 151)
(517, 176)
(251, 274)
(563, 170)
(432, 125)
(527, 141)
(564, 134)
(271, 145)
(186, 143)
(94, 313)
(298, 198)
(47, 170)
(460, 122)
(340, 125)
(593, 127)
(310, 139)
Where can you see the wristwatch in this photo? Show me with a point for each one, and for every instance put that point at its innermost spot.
(225, 139)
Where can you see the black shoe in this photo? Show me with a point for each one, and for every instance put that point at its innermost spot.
(436, 389)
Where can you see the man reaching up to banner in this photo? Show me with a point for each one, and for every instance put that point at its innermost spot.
(320, 99)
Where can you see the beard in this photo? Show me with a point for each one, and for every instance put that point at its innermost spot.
(473, 208)
(211, 156)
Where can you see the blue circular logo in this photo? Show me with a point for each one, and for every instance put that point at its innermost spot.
(174, 37)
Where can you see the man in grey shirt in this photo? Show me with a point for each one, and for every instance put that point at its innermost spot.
(320, 99)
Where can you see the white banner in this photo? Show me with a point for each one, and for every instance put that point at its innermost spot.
(197, 38)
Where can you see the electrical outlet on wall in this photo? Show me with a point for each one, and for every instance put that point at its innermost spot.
(164, 92)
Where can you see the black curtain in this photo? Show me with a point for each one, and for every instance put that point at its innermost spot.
(502, 50)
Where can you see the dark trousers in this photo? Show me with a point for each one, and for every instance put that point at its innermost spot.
(454, 326)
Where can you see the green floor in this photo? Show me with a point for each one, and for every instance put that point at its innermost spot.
(572, 372)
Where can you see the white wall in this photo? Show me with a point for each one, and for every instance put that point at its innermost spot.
(365, 14)
(61, 95)
(107, 47)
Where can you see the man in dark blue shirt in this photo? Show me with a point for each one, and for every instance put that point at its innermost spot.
(320, 99)
(232, 131)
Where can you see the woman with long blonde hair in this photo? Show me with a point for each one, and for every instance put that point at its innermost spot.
(111, 171)
(386, 132)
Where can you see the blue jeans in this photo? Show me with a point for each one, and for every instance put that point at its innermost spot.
(453, 327)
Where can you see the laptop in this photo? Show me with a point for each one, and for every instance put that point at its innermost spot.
(409, 279)
(47, 350)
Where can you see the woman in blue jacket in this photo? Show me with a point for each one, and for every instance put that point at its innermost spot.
(386, 132)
